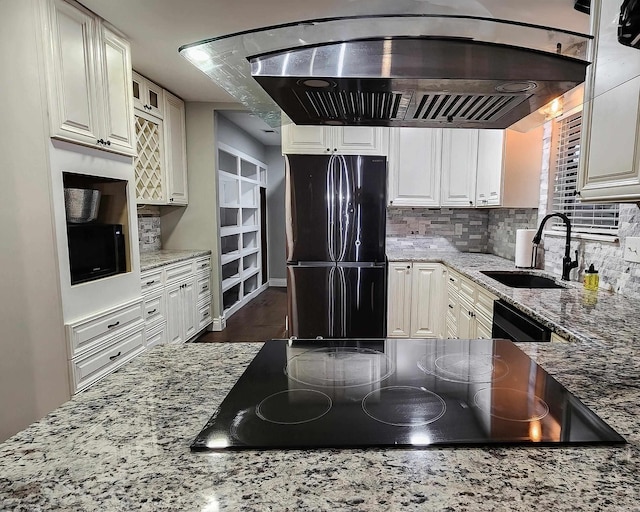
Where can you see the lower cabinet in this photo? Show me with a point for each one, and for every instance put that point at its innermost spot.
(414, 301)
(101, 343)
(470, 308)
(177, 299)
(181, 307)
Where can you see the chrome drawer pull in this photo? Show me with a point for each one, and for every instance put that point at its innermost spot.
(113, 357)
(113, 325)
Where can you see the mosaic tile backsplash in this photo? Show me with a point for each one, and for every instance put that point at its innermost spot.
(149, 231)
(461, 229)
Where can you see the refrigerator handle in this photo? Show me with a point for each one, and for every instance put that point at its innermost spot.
(331, 206)
(342, 297)
(345, 198)
(331, 308)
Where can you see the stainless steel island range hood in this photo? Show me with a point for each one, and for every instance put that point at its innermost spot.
(419, 82)
(421, 70)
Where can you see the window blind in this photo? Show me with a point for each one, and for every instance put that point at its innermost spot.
(587, 217)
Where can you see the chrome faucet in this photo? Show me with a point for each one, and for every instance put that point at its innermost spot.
(567, 264)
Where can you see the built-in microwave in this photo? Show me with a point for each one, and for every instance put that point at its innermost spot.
(95, 251)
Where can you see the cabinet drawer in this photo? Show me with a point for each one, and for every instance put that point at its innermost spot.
(91, 332)
(467, 290)
(484, 303)
(151, 280)
(203, 287)
(95, 365)
(156, 335)
(203, 264)
(204, 314)
(178, 271)
(154, 310)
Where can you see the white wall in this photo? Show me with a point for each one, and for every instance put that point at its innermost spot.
(33, 356)
(275, 207)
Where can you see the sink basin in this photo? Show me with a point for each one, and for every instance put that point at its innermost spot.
(516, 279)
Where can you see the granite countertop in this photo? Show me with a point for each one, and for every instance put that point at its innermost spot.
(153, 259)
(599, 318)
(124, 445)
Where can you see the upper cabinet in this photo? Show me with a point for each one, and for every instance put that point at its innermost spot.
(88, 75)
(464, 167)
(345, 140)
(609, 160)
(161, 163)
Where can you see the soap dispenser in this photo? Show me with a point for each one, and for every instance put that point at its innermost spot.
(591, 278)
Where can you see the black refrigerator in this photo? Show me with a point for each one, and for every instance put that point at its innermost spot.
(335, 235)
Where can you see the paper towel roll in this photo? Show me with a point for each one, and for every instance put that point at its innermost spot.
(524, 248)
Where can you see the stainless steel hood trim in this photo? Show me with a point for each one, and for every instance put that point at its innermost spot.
(224, 59)
(438, 82)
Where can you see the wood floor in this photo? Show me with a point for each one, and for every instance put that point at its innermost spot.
(261, 319)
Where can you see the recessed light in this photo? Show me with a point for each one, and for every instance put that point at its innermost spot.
(516, 86)
(317, 83)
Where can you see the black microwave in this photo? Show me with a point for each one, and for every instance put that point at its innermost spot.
(95, 251)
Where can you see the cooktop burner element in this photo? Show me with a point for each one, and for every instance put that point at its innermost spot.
(464, 367)
(412, 407)
(283, 407)
(397, 393)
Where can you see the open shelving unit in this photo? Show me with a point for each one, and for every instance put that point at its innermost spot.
(239, 180)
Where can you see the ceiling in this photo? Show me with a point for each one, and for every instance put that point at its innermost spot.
(157, 28)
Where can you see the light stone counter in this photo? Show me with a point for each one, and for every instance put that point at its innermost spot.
(600, 318)
(123, 445)
(153, 259)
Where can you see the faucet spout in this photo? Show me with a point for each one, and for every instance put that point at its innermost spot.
(567, 263)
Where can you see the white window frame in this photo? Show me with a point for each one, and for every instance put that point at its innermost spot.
(563, 168)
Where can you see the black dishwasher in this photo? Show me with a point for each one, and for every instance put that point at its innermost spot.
(512, 324)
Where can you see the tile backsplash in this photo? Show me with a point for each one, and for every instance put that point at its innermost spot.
(149, 232)
(462, 229)
(503, 224)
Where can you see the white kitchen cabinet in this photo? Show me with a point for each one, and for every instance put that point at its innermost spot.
(609, 159)
(459, 163)
(470, 308)
(88, 75)
(415, 166)
(415, 300)
(175, 154)
(161, 161)
(181, 311)
(490, 167)
(344, 140)
(147, 96)
(101, 343)
(399, 300)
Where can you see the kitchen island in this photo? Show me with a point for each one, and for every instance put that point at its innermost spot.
(124, 445)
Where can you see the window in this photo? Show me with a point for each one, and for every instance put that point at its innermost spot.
(584, 217)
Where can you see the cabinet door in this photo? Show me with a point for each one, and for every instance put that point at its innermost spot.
(175, 311)
(116, 94)
(175, 149)
(305, 140)
(399, 300)
(149, 163)
(414, 166)
(427, 316)
(360, 140)
(72, 68)
(147, 96)
(189, 311)
(465, 322)
(459, 165)
(609, 167)
(490, 167)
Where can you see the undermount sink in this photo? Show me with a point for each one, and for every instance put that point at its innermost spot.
(517, 279)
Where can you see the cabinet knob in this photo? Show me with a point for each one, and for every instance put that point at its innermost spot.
(171, 199)
(100, 141)
(108, 143)
(471, 203)
(450, 306)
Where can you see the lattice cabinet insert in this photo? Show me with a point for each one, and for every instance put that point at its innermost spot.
(148, 164)
(239, 180)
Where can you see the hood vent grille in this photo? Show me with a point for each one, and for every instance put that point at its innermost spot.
(349, 106)
(468, 108)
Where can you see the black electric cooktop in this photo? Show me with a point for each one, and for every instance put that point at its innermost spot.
(397, 393)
